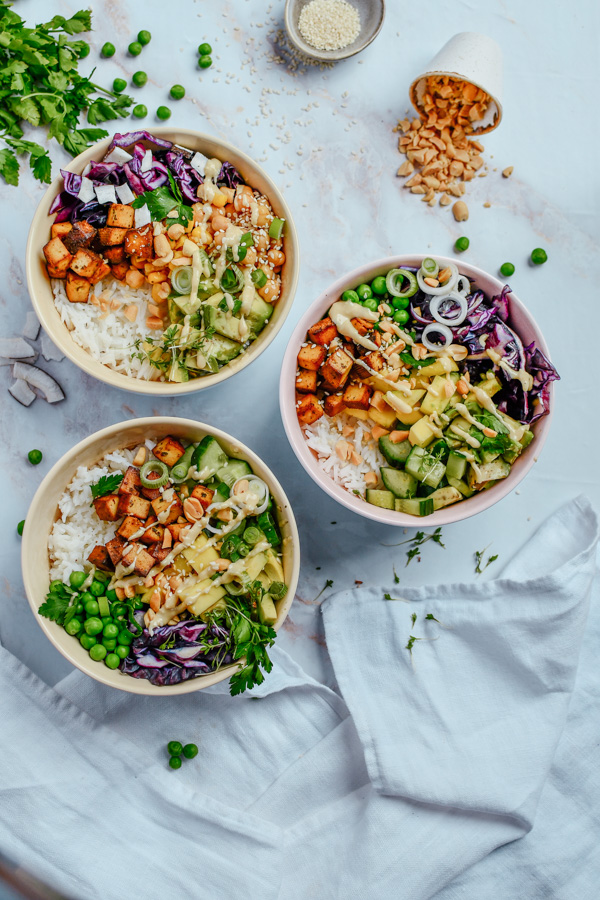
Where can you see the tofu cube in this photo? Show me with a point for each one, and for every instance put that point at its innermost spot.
(128, 527)
(311, 357)
(336, 369)
(114, 254)
(106, 507)
(334, 404)
(120, 216)
(138, 556)
(362, 325)
(306, 382)
(115, 549)
(139, 243)
(151, 493)
(78, 288)
(111, 237)
(81, 235)
(169, 451)
(374, 360)
(101, 272)
(120, 270)
(159, 553)
(100, 558)
(58, 271)
(59, 229)
(322, 332)
(357, 396)
(309, 409)
(203, 494)
(131, 483)
(133, 505)
(174, 507)
(57, 254)
(85, 262)
(154, 534)
(175, 529)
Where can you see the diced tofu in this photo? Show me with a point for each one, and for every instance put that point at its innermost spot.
(203, 494)
(57, 271)
(311, 357)
(174, 507)
(85, 262)
(306, 382)
(363, 326)
(309, 409)
(154, 534)
(138, 557)
(138, 242)
(128, 527)
(334, 404)
(131, 483)
(151, 493)
(132, 505)
(111, 237)
(323, 332)
(59, 229)
(101, 272)
(374, 360)
(78, 288)
(100, 558)
(169, 451)
(115, 549)
(336, 369)
(357, 396)
(159, 553)
(120, 270)
(106, 507)
(57, 254)
(81, 235)
(114, 254)
(175, 528)
(119, 216)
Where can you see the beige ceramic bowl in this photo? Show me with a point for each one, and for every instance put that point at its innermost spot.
(43, 512)
(371, 12)
(41, 292)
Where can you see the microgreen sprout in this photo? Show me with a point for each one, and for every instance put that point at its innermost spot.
(479, 555)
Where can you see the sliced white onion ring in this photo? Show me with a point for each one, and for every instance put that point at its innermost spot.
(452, 320)
(236, 509)
(436, 329)
(442, 288)
(463, 286)
(256, 486)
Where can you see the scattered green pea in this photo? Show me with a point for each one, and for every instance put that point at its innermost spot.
(35, 457)
(98, 652)
(364, 291)
(108, 49)
(177, 92)
(110, 644)
(175, 762)
(74, 626)
(112, 661)
(135, 48)
(350, 297)
(93, 626)
(175, 748)
(91, 608)
(144, 37)
(538, 256)
(205, 49)
(122, 651)
(110, 630)
(378, 285)
(401, 316)
(87, 641)
(85, 597)
(119, 85)
(79, 609)
(76, 579)
(139, 78)
(96, 588)
(112, 596)
(163, 112)
(84, 50)
(140, 111)
(20, 527)
(371, 303)
(461, 244)
(190, 751)
(400, 302)
(125, 638)
(507, 269)
(205, 62)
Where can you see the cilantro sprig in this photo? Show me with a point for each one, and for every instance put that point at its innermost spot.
(417, 542)
(107, 484)
(59, 605)
(480, 566)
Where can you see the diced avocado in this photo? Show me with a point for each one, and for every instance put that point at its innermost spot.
(526, 439)
(436, 399)
(232, 470)
(445, 496)
(176, 313)
(273, 568)
(177, 373)
(259, 315)
(439, 368)
(461, 426)
(209, 456)
(410, 418)
(254, 565)
(401, 484)
(456, 466)
(461, 486)
(266, 610)
(222, 322)
(421, 434)
(224, 349)
(212, 299)
(491, 386)
(383, 499)
(385, 418)
(395, 454)
(415, 507)
(492, 471)
(186, 305)
(362, 414)
(425, 467)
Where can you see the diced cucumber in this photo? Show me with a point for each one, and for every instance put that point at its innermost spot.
(461, 486)
(383, 499)
(445, 496)
(456, 466)
(232, 470)
(209, 456)
(424, 467)
(395, 454)
(415, 507)
(492, 471)
(401, 484)
(424, 490)
(176, 314)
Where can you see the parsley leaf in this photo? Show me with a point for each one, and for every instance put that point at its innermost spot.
(9, 167)
(409, 360)
(396, 578)
(400, 599)
(161, 202)
(57, 603)
(106, 485)
(328, 584)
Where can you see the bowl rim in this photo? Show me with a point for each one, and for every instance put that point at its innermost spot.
(49, 317)
(456, 512)
(330, 56)
(31, 539)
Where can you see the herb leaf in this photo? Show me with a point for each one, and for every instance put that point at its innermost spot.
(479, 555)
(328, 584)
(106, 485)
(57, 604)
(161, 202)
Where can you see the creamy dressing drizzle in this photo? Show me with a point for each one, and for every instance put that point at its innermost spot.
(397, 403)
(486, 401)
(340, 314)
(521, 374)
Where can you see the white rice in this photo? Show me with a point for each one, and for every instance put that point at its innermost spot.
(323, 436)
(108, 335)
(79, 530)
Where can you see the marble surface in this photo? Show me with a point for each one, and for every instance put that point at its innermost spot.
(325, 135)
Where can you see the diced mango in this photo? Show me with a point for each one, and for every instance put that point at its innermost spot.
(421, 434)
(199, 558)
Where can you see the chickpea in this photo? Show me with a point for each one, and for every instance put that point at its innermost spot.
(218, 238)
(219, 200)
(229, 210)
(219, 222)
(243, 197)
(250, 257)
(229, 193)
(263, 214)
(261, 242)
(276, 257)
(157, 277)
(198, 210)
(134, 278)
(270, 292)
(160, 292)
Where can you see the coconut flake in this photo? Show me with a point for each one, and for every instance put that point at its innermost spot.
(105, 193)
(49, 351)
(146, 163)
(86, 191)
(198, 161)
(124, 193)
(118, 155)
(142, 216)
(32, 326)
(21, 391)
(49, 388)
(15, 348)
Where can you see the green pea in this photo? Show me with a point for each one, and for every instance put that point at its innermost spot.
(110, 630)
(175, 748)
(74, 626)
(112, 661)
(139, 79)
(378, 285)
(101, 576)
(205, 62)
(96, 588)
(122, 651)
(177, 92)
(364, 291)
(175, 762)
(507, 269)
(205, 49)
(538, 256)
(92, 608)
(371, 303)
(125, 637)
(135, 48)
(20, 527)
(119, 85)
(190, 751)
(98, 652)
(87, 641)
(76, 579)
(111, 645)
(106, 620)
(35, 457)
(79, 609)
(350, 297)
(108, 49)
(93, 626)
(112, 596)
(401, 316)
(163, 112)
(84, 50)
(461, 244)
(144, 37)
(136, 603)
(85, 597)
(400, 302)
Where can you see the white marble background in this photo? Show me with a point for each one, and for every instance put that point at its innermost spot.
(326, 138)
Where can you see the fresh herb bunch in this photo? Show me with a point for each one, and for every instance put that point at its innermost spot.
(57, 603)
(172, 350)
(40, 85)
(106, 485)
(249, 639)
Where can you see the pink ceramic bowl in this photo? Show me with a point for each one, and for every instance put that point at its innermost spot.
(522, 322)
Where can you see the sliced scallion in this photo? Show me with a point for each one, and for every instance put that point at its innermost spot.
(396, 277)
(259, 278)
(181, 280)
(276, 229)
(156, 468)
(232, 279)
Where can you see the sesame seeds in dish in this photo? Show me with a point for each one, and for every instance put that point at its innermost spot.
(329, 24)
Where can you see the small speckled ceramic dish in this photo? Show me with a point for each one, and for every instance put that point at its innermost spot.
(371, 14)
